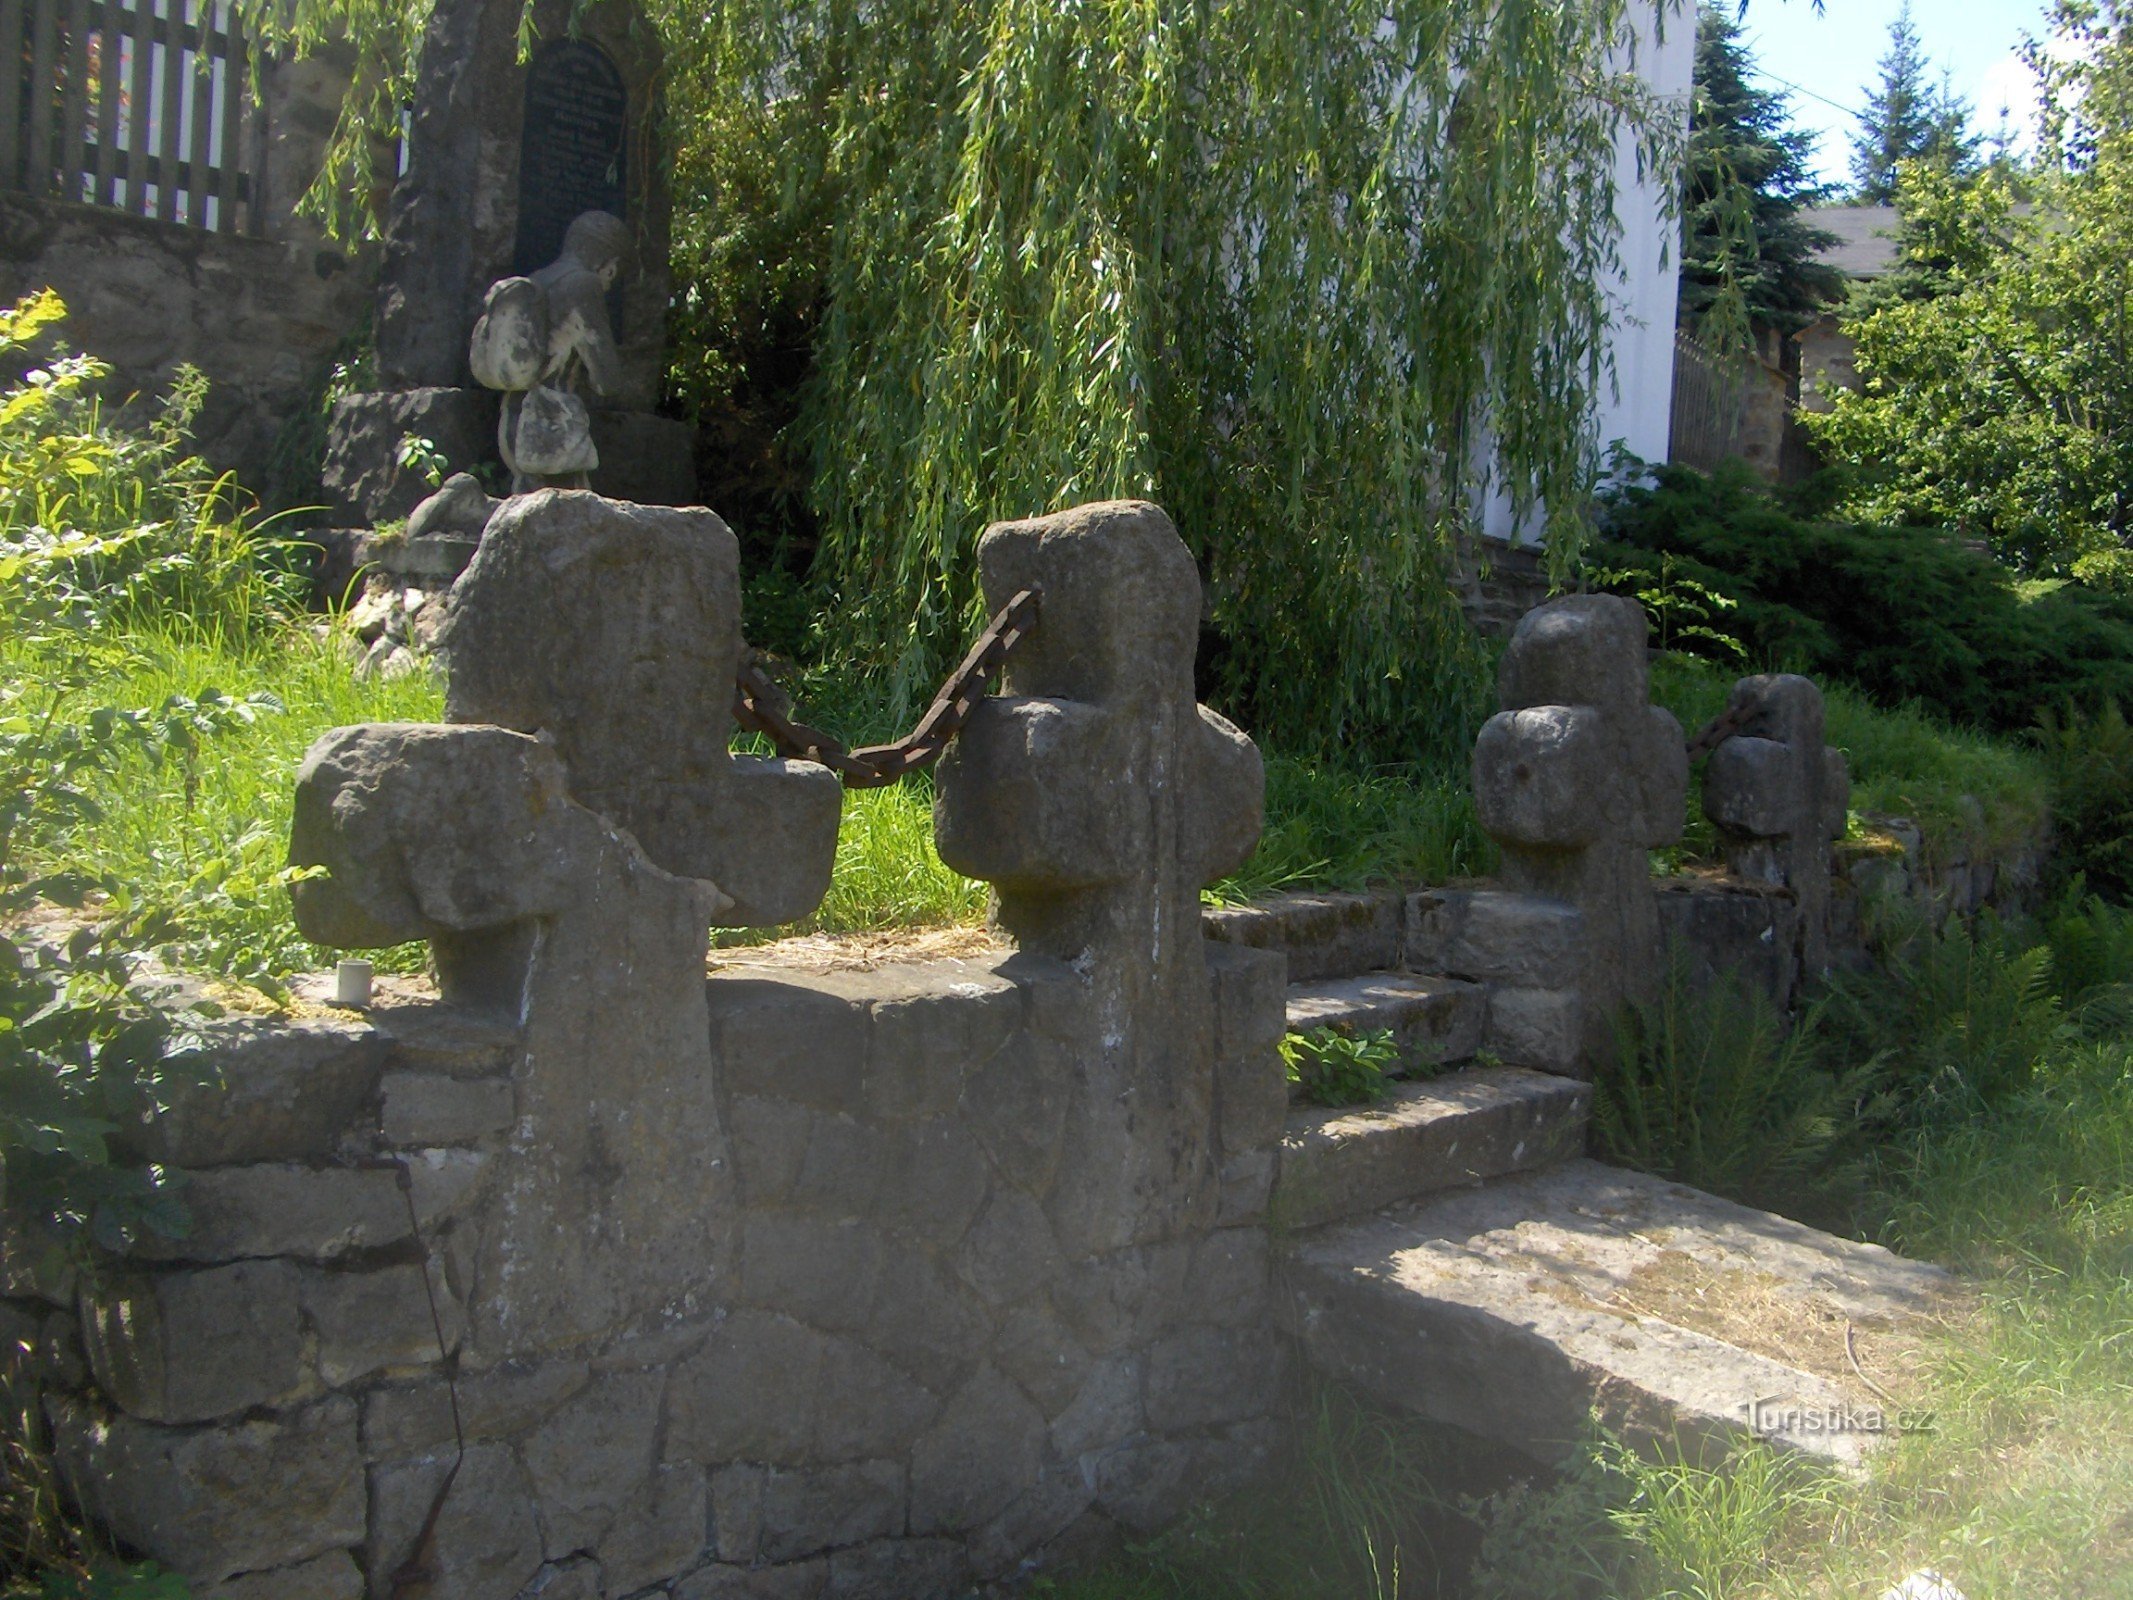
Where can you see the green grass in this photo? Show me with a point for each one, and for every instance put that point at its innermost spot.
(1904, 763)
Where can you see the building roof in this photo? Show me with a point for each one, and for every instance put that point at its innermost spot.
(1866, 238)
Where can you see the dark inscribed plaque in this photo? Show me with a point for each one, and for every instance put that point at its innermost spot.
(574, 152)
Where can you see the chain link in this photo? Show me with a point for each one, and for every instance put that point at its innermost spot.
(1725, 725)
(760, 706)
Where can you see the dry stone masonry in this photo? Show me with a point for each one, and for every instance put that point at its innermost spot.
(875, 1283)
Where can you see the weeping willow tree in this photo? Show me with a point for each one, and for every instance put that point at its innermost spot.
(1316, 275)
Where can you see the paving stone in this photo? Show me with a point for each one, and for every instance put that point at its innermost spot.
(1433, 1021)
(1514, 1309)
(1439, 1134)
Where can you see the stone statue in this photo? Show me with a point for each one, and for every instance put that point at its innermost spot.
(545, 341)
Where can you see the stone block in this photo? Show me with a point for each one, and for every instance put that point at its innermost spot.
(1433, 1021)
(1208, 1376)
(911, 1569)
(934, 1180)
(1536, 771)
(363, 475)
(592, 1458)
(330, 1577)
(1323, 934)
(404, 1421)
(1124, 1298)
(846, 1165)
(1449, 1132)
(767, 1388)
(807, 1510)
(378, 1320)
(314, 1213)
(933, 1027)
(980, 1453)
(1037, 1351)
(1543, 1029)
(1106, 1409)
(1016, 1105)
(1010, 1254)
(215, 1502)
(431, 1036)
(421, 1110)
(790, 1041)
(1745, 940)
(1247, 1181)
(823, 1271)
(865, 1408)
(1493, 936)
(266, 1091)
(1226, 1280)
(796, 1580)
(486, 1543)
(1251, 1093)
(191, 1346)
(662, 1531)
(769, 1145)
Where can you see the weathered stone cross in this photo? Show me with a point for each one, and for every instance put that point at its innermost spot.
(1097, 798)
(1778, 796)
(1578, 778)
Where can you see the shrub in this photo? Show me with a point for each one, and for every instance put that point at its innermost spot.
(1905, 614)
(2090, 757)
(1709, 1086)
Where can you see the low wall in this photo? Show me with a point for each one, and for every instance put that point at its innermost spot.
(918, 1356)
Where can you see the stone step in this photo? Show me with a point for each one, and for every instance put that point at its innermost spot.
(1434, 1021)
(1514, 1309)
(1436, 1134)
(1324, 935)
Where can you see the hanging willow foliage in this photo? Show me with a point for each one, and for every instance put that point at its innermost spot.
(1316, 275)
(1288, 267)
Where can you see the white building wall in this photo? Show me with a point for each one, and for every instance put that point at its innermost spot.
(1635, 409)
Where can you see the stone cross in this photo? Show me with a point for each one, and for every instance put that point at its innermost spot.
(1578, 778)
(1778, 796)
(1098, 798)
(564, 843)
(611, 631)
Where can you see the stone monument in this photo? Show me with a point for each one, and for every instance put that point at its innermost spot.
(504, 156)
(1778, 795)
(1578, 778)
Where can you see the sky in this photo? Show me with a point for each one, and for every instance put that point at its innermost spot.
(1834, 57)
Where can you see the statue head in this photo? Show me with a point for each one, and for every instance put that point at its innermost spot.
(599, 242)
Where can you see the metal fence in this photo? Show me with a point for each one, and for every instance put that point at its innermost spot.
(1706, 427)
(143, 106)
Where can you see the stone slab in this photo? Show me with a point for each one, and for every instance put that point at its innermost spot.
(1493, 936)
(1434, 1021)
(1438, 1134)
(1513, 1310)
(1323, 935)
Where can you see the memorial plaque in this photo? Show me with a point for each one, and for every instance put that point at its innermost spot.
(574, 152)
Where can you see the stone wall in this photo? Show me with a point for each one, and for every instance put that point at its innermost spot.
(911, 1367)
(595, 1275)
(261, 316)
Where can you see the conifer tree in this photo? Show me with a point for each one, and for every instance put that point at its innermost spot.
(1908, 117)
(1748, 256)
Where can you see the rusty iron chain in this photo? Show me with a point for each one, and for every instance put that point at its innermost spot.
(1724, 726)
(759, 706)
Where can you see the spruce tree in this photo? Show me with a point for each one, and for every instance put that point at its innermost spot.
(1908, 117)
(1748, 256)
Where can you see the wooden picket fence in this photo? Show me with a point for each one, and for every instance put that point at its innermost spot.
(141, 105)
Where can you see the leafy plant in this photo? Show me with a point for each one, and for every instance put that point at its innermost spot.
(422, 457)
(2090, 759)
(1684, 611)
(1709, 1085)
(1904, 614)
(1334, 1068)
